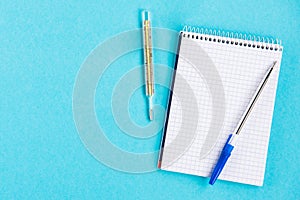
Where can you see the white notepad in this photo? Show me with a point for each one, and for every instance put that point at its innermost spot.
(216, 77)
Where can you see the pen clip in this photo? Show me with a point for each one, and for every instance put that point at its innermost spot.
(226, 152)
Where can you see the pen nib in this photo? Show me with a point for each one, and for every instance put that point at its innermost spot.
(151, 114)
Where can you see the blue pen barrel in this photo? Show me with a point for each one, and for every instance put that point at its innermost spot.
(226, 152)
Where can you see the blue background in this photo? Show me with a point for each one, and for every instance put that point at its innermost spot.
(42, 46)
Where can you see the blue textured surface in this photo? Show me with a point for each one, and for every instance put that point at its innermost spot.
(42, 46)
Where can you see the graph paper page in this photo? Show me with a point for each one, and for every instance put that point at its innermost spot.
(218, 76)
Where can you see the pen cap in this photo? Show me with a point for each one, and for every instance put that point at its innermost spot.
(226, 152)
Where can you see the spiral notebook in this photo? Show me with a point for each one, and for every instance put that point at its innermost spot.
(216, 75)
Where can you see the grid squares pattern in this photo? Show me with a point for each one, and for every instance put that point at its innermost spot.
(241, 69)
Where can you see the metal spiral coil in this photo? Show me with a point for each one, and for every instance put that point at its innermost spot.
(232, 38)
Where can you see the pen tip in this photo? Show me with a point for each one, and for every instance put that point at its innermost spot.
(274, 63)
(151, 114)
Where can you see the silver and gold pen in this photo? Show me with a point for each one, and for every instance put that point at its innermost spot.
(148, 61)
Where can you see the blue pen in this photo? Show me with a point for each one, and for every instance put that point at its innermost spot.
(231, 141)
